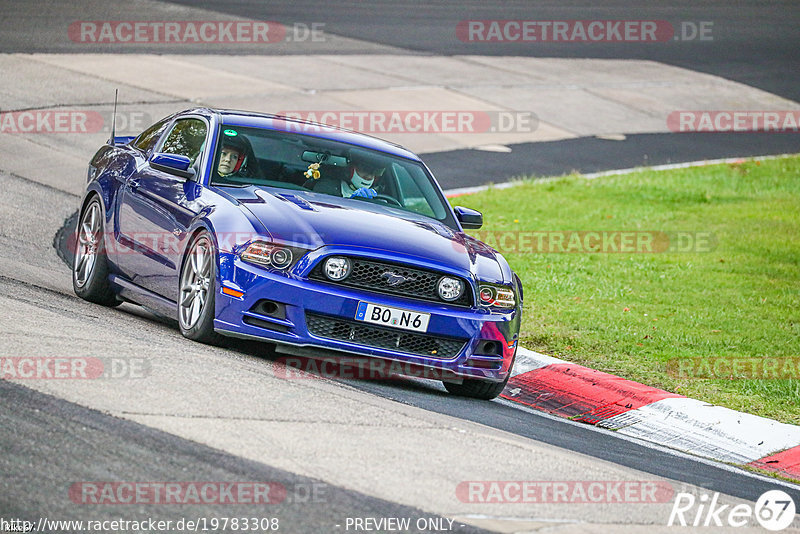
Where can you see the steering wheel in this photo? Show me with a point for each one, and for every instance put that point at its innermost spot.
(388, 199)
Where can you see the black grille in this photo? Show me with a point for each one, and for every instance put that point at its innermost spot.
(418, 284)
(385, 338)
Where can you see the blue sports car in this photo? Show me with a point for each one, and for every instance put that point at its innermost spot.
(311, 237)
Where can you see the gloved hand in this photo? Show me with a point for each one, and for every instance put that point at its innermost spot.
(365, 192)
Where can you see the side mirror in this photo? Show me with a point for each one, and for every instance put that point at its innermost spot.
(469, 219)
(172, 164)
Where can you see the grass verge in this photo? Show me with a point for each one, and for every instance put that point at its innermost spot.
(719, 295)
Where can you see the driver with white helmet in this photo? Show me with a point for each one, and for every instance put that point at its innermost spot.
(363, 171)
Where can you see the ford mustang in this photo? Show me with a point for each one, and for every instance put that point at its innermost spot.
(314, 238)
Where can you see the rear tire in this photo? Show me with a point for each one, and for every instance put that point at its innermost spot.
(196, 291)
(90, 263)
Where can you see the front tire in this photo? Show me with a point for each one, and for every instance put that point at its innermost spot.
(476, 389)
(480, 389)
(90, 263)
(197, 289)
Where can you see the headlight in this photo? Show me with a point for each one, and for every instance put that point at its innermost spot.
(450, 289)
(267, 254)
(281, 258)
(499, 296)
(337, 268)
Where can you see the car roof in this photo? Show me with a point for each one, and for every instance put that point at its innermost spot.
(270, 121)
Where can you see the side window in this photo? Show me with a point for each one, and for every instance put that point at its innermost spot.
(148, 138)
(186, 138)
(412, 195)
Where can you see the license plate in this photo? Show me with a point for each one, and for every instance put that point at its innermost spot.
(394, 317)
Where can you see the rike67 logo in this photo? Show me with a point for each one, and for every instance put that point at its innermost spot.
(774, 511)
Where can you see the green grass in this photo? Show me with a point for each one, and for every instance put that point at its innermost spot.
(630, 313)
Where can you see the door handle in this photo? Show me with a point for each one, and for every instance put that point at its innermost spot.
(133, 184)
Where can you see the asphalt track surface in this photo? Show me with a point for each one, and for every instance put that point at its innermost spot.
(466, 168)
(754, 42)
(101, 447)
(757, 45)
(56, 442)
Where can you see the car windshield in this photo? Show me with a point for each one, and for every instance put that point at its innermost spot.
(254, 156)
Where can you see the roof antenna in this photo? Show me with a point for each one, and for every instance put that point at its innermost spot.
(114, 119)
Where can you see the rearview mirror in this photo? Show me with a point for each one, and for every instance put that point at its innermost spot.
(469, 219)
(324, 157)
(172, 164)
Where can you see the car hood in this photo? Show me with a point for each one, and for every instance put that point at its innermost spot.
(313, 220)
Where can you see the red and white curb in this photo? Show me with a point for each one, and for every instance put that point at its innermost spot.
(582, 394)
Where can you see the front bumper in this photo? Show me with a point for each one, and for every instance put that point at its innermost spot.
(460, 342)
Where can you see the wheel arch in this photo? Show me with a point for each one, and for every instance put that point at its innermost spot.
(91, 193)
